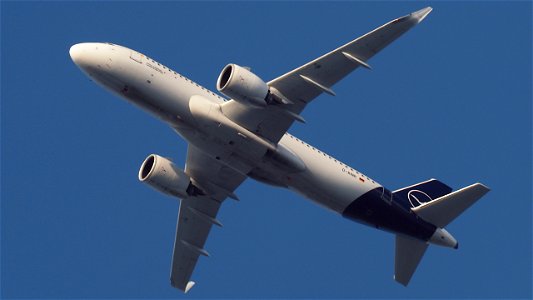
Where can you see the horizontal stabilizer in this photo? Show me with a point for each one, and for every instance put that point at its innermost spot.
(440, 212)
(409, 253)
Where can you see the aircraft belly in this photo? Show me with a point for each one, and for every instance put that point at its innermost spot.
(325, 180)
(386, 213)
(147, 84)
(221, 138)
(162, 95)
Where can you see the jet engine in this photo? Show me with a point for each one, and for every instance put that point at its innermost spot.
(161, 174)
(243, 86)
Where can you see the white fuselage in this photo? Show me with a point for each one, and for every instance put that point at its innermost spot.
(190, 109)
(230, 140)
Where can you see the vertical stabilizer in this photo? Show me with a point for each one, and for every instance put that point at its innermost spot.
(409, 253)
(417, 194)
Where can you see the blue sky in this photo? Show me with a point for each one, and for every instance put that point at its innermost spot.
(451, 100)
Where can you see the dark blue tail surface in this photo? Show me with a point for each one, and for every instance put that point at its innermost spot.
(415, 195)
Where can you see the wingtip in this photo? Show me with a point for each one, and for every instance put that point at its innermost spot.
(189, 286)
(400, 281)
(484, 187)
(420, 15)
(488, 188)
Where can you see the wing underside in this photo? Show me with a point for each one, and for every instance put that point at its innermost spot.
(305, 83)
(197, 214)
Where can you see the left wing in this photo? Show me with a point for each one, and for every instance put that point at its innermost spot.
(301, 85)
(198, 213)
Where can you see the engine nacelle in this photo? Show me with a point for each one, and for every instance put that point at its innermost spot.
(243, 86)
(161, 174)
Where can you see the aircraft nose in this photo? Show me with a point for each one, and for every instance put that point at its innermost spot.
(86, 55)
(76, 53)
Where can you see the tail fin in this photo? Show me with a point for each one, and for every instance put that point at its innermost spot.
(415, 195)
(441, 211)
(409, 253)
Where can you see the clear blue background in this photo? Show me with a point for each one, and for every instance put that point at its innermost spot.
(451, 99)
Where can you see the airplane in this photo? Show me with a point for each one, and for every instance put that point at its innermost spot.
(246, 135)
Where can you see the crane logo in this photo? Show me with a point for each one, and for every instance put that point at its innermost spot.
(417, 198)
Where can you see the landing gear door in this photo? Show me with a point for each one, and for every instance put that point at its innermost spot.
(136, 56)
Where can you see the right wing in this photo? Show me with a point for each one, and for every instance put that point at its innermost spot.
(198, 213)
(301, 85)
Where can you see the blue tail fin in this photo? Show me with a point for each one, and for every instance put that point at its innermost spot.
(415, 195)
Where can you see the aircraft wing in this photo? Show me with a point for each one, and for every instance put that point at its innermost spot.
(197, 214)
(301, 85)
